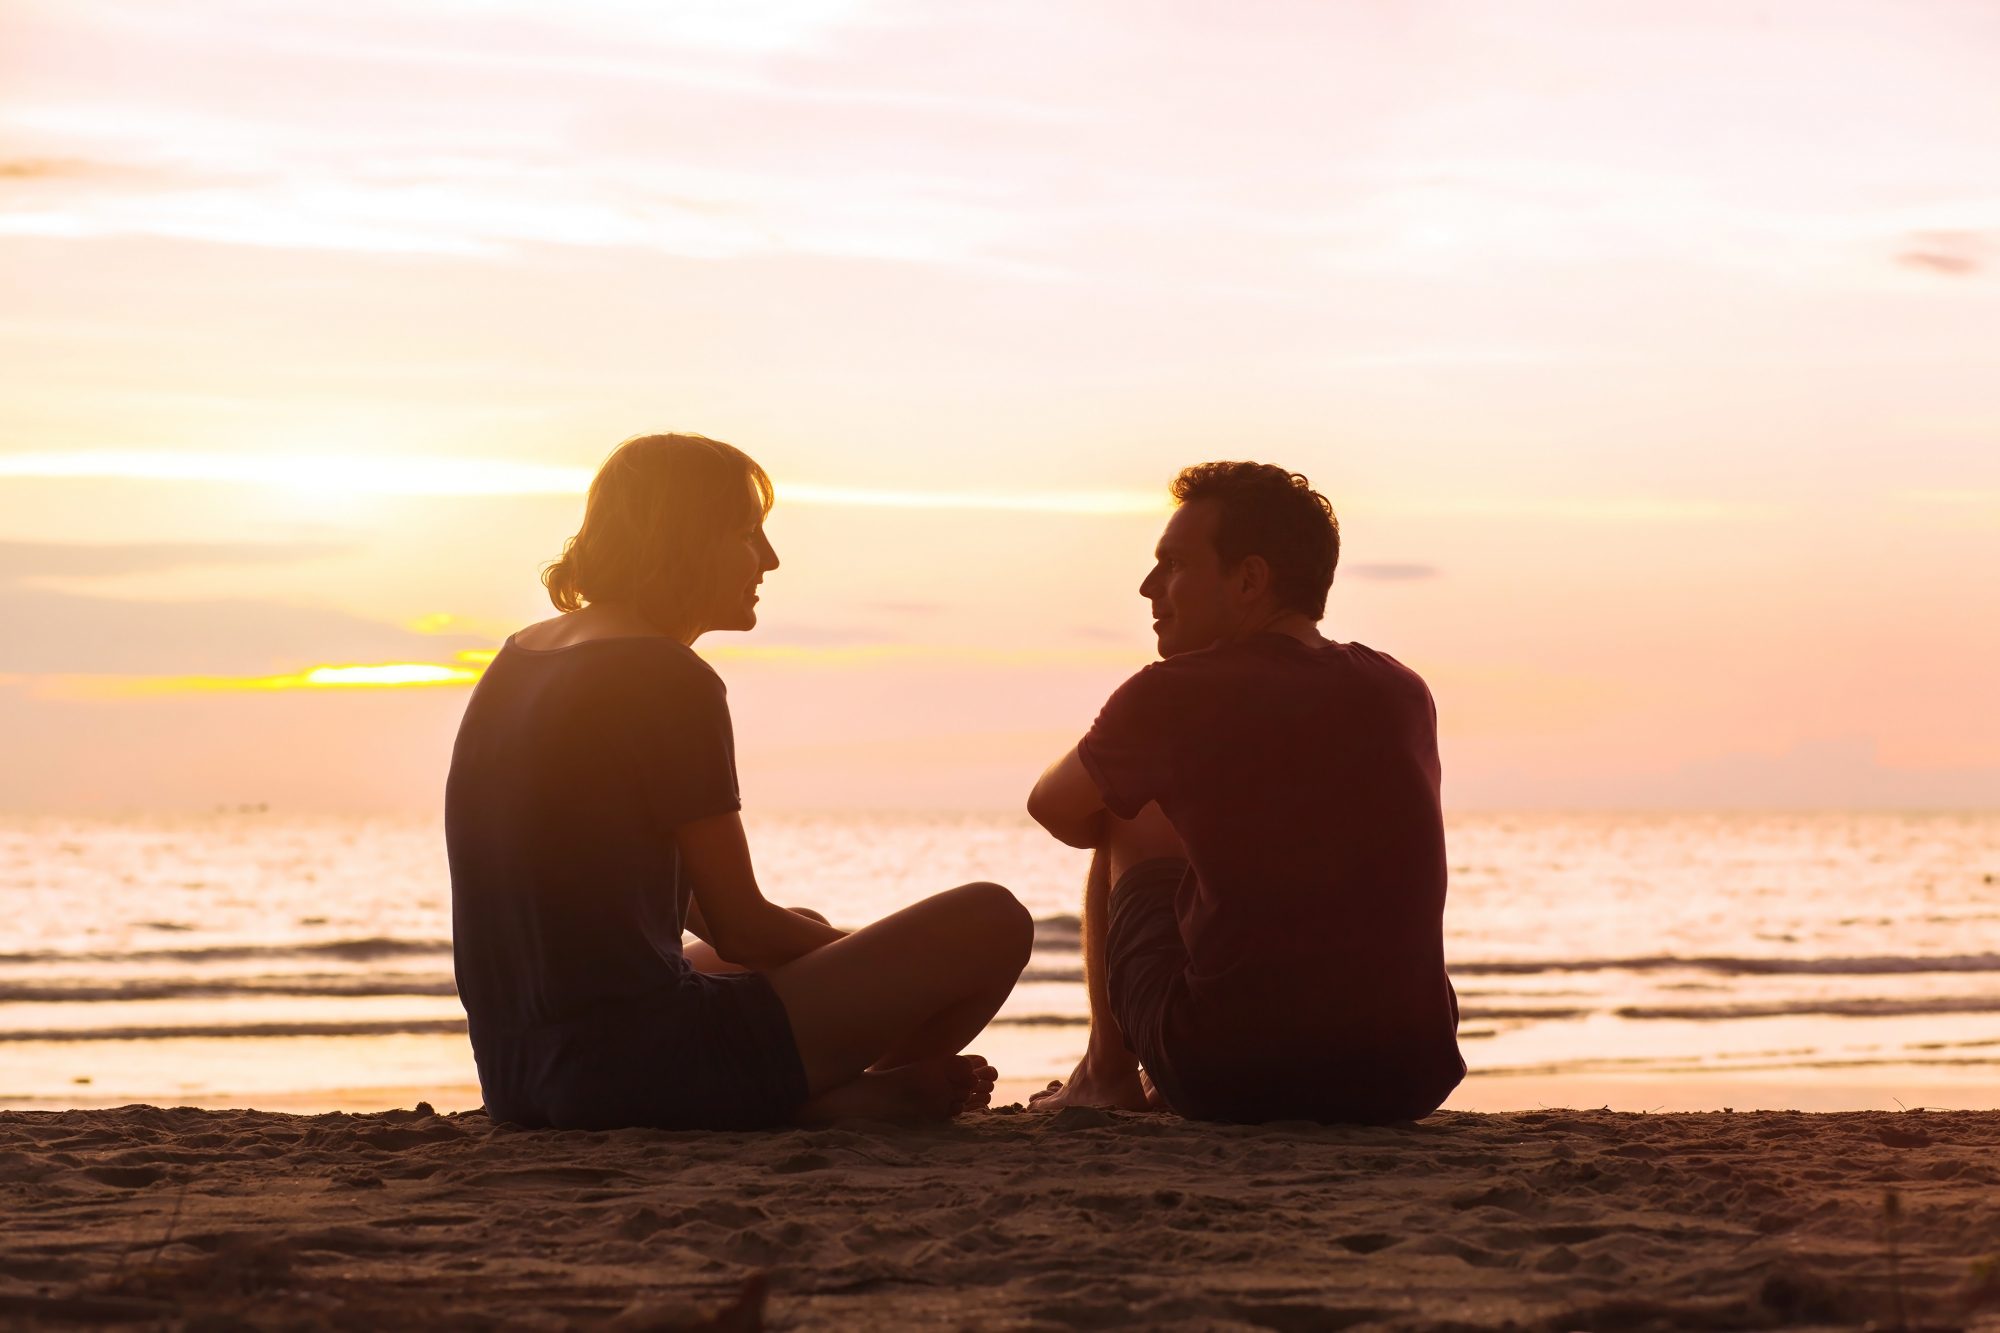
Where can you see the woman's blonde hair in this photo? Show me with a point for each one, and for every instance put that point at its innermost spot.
(658, 512)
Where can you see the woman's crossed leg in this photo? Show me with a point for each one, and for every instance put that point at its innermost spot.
(880, 1016)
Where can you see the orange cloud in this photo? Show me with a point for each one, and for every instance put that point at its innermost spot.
(376, 676)
(1952, 253)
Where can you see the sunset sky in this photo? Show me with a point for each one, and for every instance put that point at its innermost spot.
(1649, 352)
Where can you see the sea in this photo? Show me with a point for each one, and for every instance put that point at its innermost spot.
(1641, 962)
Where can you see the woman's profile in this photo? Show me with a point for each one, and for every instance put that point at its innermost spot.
(592, 814)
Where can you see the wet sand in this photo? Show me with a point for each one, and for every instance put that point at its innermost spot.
(1532, 1220)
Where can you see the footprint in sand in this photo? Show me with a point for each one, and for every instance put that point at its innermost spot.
(1561, 1259)
(1512, 1197)
(396, 1138)
(801, 1161)
(124, 1177)
(1463, 1250)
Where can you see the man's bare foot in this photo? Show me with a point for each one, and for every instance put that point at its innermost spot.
(935, 1089)
(1093, 1085)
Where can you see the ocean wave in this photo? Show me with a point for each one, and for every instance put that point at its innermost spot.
(1061, 931)
(1056, 934)
(1859, 1007)
(99, 991)
(346, 951)
(107, 990)
(387, 1027)
(1679, 1067)
(1867, 965)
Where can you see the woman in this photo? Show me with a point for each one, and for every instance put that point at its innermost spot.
(591, 815)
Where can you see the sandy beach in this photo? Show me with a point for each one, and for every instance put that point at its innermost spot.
(1552, 1219)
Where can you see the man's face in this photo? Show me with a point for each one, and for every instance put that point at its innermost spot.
(1194, 606)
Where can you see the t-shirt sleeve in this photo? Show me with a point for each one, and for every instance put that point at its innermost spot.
(686, 751)
(1127, 750)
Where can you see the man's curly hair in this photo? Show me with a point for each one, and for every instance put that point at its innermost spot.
(1265, 510)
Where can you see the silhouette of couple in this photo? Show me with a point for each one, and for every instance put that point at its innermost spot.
(1262, 918)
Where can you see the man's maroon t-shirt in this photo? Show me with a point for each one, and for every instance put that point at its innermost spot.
(1304, 781)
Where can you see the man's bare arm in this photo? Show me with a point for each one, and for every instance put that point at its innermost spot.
(1066, 803)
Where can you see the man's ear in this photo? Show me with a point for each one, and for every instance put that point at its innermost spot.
(1253, 577)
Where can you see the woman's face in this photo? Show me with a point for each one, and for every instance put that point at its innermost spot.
(745, 559)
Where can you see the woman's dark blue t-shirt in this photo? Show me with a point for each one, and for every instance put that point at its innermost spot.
(572, 770)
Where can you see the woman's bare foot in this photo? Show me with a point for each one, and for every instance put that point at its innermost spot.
(1094, 1084)
(935, 1089)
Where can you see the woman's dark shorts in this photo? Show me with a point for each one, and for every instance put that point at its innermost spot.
(714, 1052)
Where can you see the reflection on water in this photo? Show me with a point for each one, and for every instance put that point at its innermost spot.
(277, 959)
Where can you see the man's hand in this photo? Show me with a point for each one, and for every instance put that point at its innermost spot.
(1066, 803)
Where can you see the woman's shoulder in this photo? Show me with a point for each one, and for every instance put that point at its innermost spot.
(590, 624)
(647, 661)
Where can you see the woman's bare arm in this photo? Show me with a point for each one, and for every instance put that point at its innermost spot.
(733, 914)
(697, 924)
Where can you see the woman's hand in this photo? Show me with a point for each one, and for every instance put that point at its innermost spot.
(703, 955)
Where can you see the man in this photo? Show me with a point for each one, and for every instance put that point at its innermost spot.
(1263, 919)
